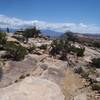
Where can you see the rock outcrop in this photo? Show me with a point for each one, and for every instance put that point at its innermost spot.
(13, 70)
(32, 88)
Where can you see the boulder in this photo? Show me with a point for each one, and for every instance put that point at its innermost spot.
(2, 53)
(98, 71)
(98, 79)
(12, 39)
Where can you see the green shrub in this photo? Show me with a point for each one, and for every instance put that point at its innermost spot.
(93, 43)
(16, 81)
(96, 44)
(63, 56)
(22, 77)
(70, 36)
(96, 62)
(78, 70)
(92, 71)
(78, 51)
(63, 46)
(31, 49)
(27, 75)
(15, 51)
(43, 46)
(31, 33)
(20, 53)
(85, 75)
(56, 47)
(2, 39)
(96, 86)
(1, 72)
(60, 47)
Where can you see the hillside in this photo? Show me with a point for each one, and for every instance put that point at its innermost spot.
(40, 74)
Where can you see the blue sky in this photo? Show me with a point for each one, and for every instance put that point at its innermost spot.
(53, 11)
(87, 11)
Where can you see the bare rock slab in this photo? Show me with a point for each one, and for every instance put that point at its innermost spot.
(32, 88)
(81, 96)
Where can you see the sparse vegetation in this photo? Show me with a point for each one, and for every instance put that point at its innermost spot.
(96, 86)
(96, 44)
(96, 62)
(15, 51)
(1, 72)
(63, 47)
(43, 46)
(90, 42)
(70, 36)
(27, 75)
(78, 70)
(19, 38)
(22, 77)
(2, 39)
(60, 45)
(31, 49)
(31, 33)
(78, 51)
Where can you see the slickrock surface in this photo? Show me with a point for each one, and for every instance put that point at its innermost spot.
(49, 79)
(13, 70)
(32, 88)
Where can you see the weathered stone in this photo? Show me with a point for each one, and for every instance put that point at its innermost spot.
(32, 89)
(2, 53)
(14, 70)
(44, 66)
(80, 97)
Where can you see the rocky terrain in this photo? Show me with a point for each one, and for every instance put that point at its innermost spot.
(42, 77)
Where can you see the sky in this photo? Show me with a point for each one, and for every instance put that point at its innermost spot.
(84, 12)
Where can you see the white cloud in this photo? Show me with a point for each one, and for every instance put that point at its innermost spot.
(61, 27)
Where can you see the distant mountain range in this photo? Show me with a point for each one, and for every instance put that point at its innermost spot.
(51, 33)
(10, 30)
(92, 36)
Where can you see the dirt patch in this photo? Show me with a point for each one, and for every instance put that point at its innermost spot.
(71, 83)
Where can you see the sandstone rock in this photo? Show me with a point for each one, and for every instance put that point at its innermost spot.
(44, 66)
(92, 78)
(53, 74)
(12, 39)
(2, 53)
(98, 71)
(98, 79)
(81, 97)
(38, 52)
(55, 71)
(32, 89)
(13, 70)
